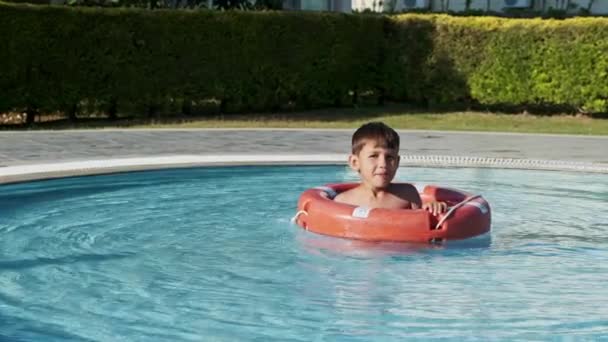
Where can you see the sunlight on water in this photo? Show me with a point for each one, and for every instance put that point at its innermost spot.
(209, 254)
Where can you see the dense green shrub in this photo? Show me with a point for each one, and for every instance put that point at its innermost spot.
(494, 61)
(61, 58)
(54, 57)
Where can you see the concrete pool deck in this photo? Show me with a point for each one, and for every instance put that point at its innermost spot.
(29, 155)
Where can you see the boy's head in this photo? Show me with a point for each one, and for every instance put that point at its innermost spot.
(376, 132)
(375, 154)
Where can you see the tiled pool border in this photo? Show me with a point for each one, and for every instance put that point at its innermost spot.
(21, 173)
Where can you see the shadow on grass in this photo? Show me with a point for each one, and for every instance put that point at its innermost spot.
(329, 115)
(340, 115)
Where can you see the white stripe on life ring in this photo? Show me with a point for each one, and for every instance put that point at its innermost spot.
(331, 193)
(361, 212)
(481, 206)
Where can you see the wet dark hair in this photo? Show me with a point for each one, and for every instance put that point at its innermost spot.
(375, 131)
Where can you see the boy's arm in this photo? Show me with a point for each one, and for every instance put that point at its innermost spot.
(410, 193)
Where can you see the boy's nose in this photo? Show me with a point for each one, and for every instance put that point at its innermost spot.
(382, 161)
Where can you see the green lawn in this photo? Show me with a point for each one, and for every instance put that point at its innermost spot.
(454, 121)
(397, 117)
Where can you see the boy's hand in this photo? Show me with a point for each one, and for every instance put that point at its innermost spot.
(435, 207)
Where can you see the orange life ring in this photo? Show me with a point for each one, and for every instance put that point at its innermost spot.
(468, 216)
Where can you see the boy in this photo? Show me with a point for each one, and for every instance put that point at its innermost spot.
(375, 156)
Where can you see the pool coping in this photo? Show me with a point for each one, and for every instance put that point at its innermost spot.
(32, 172)
(35, 155)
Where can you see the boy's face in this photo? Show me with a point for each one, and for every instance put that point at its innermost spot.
(376, 164)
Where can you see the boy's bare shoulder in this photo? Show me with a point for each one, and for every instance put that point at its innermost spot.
(346, 196)
(403, 187)
(406, 191)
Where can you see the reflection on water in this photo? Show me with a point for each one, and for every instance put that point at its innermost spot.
(315, 243)
(209, 254)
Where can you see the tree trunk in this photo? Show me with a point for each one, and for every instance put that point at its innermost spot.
(381, 97)
(488, 6)
(153, 111)
(187, 107)
(72, 113)
(590, 5)
(113, 110)
(30, 116)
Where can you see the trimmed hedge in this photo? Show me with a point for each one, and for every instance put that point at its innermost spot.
(56, 58)
(496, 61)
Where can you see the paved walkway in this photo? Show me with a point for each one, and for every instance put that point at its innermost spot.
(44, 147)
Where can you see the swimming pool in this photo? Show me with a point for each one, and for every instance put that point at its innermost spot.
(209, 254)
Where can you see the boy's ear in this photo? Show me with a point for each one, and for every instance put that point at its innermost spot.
(353, 162)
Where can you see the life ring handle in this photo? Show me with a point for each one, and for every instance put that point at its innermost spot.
(453, 208)
(301, 212)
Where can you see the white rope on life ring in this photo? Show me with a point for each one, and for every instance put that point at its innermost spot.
(293, 219)
(452, 209)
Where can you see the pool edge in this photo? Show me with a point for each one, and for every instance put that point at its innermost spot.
(33, 172)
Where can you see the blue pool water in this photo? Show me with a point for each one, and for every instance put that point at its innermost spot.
(209, 254)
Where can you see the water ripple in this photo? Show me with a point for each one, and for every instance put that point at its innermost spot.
(209, 254)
